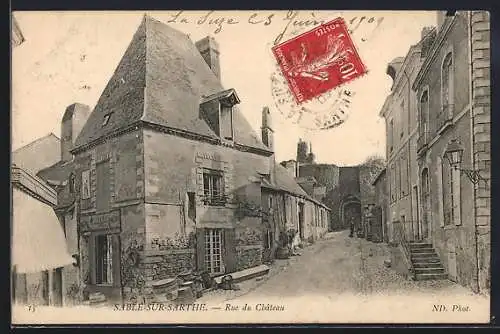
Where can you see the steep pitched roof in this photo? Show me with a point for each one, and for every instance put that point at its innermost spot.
(161, 79)
(38, 154)
(284, 182)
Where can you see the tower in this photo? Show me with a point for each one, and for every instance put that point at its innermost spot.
(267, 130)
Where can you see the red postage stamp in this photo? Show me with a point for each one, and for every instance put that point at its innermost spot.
(319, 60)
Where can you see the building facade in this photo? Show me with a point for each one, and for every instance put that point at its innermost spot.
(451, 92)
(400, 114)
(166, 175)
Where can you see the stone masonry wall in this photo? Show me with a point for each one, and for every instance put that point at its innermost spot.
(481, 105)
(248, 257)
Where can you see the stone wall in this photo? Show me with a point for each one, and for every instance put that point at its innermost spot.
(248, 256)
(481, 105)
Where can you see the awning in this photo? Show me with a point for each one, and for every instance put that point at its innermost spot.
(38, 241)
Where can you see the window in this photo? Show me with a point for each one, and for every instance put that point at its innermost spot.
(213, 251)
(72, 183)
(455, 196)
(392, 189)
(404, 176)
(447, 87)
(226, 123)
(423, 119)
(212, 187)
(403, 120)
(397, 188)
(106, 119)
(85, 184)
(104, 259)
(191, 205)
(391, 135)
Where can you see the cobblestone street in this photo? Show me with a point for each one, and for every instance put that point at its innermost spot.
(335, 266)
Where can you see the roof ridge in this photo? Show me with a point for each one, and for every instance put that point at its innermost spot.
(37, 140)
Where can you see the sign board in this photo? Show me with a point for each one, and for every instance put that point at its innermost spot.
(105, 221)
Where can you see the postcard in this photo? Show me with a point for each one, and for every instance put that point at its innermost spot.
(228, 167)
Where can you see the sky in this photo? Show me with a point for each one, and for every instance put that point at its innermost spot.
(69, 57)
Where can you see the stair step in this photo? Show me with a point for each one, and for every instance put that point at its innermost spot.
(418, 258)
(420, 245)
(428, 276)
(419, 264)
(421, 250)
(436, 270)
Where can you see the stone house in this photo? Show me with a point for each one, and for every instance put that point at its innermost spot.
(400, 114)
(382, 203)
(39, 249)
(452, 95)
(166, 174)
(290, 210)
(453, 89)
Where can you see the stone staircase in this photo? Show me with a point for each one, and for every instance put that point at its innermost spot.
(426, 262)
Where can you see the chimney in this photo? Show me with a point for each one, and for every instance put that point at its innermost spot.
(267, 129)
(209, 50)
(73, 120)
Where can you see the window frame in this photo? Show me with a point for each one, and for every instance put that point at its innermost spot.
(211, 257)
(209, 198)
(451, 83)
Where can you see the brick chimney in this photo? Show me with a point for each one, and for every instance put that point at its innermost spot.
(209, 50)
(73, 120)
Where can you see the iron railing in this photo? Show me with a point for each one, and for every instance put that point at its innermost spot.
(401, 237)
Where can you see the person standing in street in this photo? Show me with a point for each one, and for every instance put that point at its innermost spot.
(352, 226)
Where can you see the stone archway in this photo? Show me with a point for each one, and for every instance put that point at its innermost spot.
(350, 207)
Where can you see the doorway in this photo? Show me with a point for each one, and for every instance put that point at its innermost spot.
(213, 251)
(301, 221)
(56, 287)
(415, 219)
(426, 207)
(351, 209)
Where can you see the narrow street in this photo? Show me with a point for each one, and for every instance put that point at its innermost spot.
(336, 266)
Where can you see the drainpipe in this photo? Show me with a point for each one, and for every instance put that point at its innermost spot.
(471, 108)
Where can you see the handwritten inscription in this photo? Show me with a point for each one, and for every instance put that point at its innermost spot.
(293, 19)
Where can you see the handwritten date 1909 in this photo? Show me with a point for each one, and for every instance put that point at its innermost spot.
(292, 18)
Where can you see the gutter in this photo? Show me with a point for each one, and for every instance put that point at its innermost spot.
(471, 104)
(408, 175)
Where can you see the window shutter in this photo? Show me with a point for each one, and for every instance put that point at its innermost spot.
(116, 260)
(200, 249)
(230, 250)
(456, 197)
(440, 191)
(92, 259)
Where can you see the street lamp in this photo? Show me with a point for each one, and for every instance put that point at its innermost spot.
(454, 154)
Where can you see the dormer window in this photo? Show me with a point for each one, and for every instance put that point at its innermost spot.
(217, 110)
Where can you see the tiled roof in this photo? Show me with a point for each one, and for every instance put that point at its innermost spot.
(284, 182)
(161, 79)
(38, 154)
